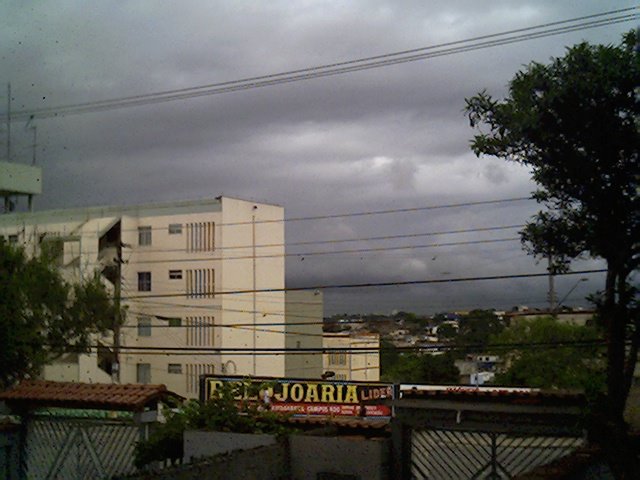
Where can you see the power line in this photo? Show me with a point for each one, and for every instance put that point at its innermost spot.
(328, 252)
(362, 213)
(151, 350)
(366, 63)
(369, 284)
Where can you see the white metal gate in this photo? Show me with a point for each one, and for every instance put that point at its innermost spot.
(65, 448)
(439, 454)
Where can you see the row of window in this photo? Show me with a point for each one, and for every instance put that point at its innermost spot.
(199, 330)
(200, 282)
(200, 235)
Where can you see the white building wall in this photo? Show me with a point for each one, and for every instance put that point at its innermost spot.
(252, 251)
(304, 314)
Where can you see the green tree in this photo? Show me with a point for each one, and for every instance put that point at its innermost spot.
(573, 123)
(476, 328)
(578, 363)
(447, 331)
(414, 368)
(42, 316)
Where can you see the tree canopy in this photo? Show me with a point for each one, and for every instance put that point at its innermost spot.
(414, 368)
(567, 356)
(574, 123)
(476, 328)
(42, 316)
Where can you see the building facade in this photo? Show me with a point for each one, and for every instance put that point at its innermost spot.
(352, 356)
(190, 276)
(304, 312)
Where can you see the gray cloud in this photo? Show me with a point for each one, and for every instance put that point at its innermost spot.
(388, 138)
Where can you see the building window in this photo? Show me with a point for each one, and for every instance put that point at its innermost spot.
(337, 358)
(201, 236)
(144, 326)
(200, 331)
(175, 274)
(174, 368)
(144, 236)
(143, 373)
(175, 322)
(144, 281)
(341, 376)
(201, 283)
(13, 239)
(175, 229)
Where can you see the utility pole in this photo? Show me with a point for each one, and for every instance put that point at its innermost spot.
(8, 122)
(7, 200)
(253, 243)
(552, 290)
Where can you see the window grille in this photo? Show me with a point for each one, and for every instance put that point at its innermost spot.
(201, 283)
(200, 236)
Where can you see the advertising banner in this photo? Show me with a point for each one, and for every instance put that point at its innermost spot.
(307, 397)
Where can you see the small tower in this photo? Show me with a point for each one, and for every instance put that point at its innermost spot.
(19, 179)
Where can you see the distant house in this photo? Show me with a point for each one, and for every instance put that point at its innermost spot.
(360, 359)
(573, 317)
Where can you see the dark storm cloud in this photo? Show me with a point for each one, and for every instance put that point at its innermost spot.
(394, 137)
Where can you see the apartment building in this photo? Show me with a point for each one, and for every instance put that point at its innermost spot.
(190, 276)
(360, 359)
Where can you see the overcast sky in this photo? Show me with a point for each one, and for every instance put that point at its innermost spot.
(381, 139)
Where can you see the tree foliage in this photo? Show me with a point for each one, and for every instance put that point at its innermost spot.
(476, 328)
(579, 363)
(573, 122)
(223, 412)
(414, 368)
(42, 316)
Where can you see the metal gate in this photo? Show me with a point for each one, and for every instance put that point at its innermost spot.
(66, 448)
(439, 454)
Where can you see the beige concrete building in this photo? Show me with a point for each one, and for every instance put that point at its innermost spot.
(350, 364)
(188, 275)
(304, 313)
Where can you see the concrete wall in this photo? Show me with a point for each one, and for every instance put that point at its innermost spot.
(262, 463)
(198, 444)
(368, 459)
(304, 312)
(253, 259)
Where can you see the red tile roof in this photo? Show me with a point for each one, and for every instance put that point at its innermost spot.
(42, 393)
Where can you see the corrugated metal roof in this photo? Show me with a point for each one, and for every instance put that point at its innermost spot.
(42, 393)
